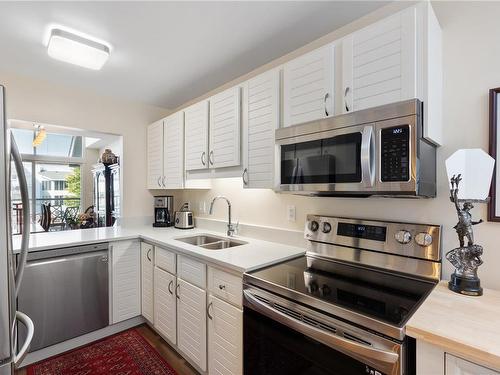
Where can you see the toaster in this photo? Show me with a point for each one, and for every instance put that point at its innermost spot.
(184, 218)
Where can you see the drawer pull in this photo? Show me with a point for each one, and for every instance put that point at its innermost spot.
(222, 287)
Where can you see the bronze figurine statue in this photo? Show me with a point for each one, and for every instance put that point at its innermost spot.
(465, 259)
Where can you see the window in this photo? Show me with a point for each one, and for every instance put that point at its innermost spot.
(60, 185)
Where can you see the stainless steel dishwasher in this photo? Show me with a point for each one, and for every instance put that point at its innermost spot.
(65, 292)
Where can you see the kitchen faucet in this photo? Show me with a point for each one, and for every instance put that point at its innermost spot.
(231, 228)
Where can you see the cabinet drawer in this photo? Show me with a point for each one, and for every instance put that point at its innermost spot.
(165, 259)
(192, 271)
(225, 285)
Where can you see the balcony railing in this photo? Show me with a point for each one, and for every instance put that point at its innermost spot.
(59, 208)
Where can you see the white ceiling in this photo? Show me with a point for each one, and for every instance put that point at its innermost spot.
(166, 53)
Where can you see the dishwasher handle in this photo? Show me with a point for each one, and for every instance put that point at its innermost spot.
(26, 321)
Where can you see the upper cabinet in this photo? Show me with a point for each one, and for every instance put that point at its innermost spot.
(165, 153)
(196, 128)
(308, 86)
(262, 119)
(379, 63)
(224, 129)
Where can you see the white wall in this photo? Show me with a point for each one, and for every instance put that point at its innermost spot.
(40, 101)
(471, 36)
(86, 177)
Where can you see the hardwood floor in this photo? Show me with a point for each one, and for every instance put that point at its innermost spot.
(179, 364)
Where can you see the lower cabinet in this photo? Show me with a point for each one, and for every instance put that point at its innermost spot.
(191, 323)
(126, 280)
(225, 338)
(165, 314)
(459, 366)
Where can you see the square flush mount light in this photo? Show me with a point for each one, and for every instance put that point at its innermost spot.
(76, 49)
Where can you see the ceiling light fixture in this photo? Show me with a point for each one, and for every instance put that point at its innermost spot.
(76, 49)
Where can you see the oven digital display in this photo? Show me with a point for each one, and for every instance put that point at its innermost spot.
(369, 232)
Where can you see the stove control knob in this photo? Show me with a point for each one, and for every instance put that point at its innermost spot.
(423, 239)
(403, 237)
(313, 226)
(327, 227)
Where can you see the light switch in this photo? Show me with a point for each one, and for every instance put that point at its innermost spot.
(290, 213)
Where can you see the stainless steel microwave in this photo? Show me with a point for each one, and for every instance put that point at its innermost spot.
(376, 151)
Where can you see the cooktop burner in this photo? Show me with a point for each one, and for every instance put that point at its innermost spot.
(380, 295)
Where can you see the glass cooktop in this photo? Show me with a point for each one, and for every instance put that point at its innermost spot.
(387, 297)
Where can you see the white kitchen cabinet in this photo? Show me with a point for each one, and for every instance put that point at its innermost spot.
(225, 338)
(147, 264)
(196, 136)
(458, 366)
(308, 86)
(262, 120)
(165, 314)
(155, 155)
(173, 154)
(192, 323)
(126, 280)
(224, 129)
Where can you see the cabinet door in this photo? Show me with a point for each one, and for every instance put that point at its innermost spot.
(173, 162)
(225, 338)
(126, 280)
(308, 87)
(165, 315)
(459, 366)
(192, 323)
(379, 62)
(147, 262)
(225, 129)
(155, 155)
(196, 141)
(263, 106)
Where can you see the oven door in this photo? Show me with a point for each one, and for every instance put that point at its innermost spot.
(340, 160)
(282, 337)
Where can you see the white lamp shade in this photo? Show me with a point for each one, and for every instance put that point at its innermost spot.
(476, 168)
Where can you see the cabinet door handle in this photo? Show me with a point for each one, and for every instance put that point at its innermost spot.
(208, 311)
(163, 181)
(147, 255)
(245, 174)
(170, 287)
(177, 288)
(211, 157)
(347, 109)
(159, 181)
(326, 109)
(222, 287)
(203, 161)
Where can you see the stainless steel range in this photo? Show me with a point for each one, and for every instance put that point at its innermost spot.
(342, 308)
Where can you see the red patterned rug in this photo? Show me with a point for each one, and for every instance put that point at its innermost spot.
(126, 353)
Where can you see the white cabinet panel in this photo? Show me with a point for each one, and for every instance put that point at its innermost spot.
(459, 366)
(263, 107)
(196, 141)
(192, 323)
(308, 86)
(165, 260)
(165, 314)
(155, 155)
(225, 338)
(192, 271)
(126, 280)
(225, 119)
(173, 163)
(147, 264)
(379, 62)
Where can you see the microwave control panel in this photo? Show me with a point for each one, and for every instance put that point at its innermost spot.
(395, 154)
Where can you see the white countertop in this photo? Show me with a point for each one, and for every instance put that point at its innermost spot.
(255, 254)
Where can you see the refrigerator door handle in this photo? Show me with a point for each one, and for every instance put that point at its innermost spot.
(30, 328)
(23, 186)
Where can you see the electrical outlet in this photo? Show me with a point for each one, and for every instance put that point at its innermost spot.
(290, 213)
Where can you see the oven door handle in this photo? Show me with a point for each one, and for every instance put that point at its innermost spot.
(368, 156)
(388, 359)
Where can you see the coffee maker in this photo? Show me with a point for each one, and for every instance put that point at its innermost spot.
(164, 211)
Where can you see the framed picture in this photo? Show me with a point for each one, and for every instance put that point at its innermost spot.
(494, 203)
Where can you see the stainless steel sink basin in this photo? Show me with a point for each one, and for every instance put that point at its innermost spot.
(211, 242)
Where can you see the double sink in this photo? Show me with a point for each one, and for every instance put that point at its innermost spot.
(210, 242)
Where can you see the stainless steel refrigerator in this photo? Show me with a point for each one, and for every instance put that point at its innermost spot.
(11, 352)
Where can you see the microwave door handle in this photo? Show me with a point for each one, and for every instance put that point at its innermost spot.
(368, 156)
(388, 358)
(23, 187)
